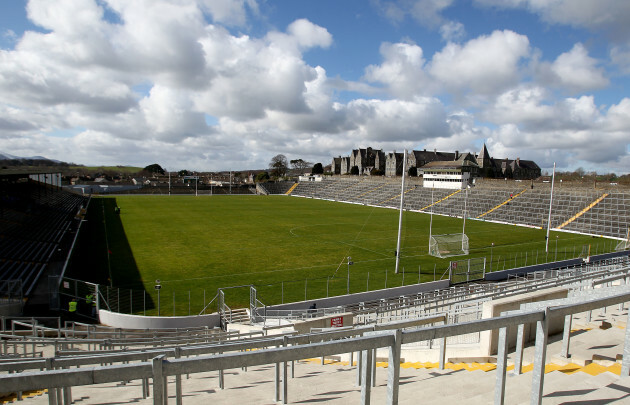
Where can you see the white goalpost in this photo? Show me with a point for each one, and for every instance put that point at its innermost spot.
(624, 244)
(447, 245)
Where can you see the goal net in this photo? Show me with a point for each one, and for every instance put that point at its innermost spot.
(455, 244)
(624, 244)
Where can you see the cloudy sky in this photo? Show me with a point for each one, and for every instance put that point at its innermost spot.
(228, 84)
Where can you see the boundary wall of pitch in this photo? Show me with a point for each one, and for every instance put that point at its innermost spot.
(504, 274)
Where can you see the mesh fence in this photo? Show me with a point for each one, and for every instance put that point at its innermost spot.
(467, 270)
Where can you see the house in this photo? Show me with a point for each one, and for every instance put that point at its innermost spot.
(514, 169)
(367, 159)
(394, 164)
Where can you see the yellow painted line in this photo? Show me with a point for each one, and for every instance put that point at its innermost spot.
(292, 188)
(615, 369)
(27, 394)
(439, 201)
(584, 211)
(396, 196)
(371, 191)
(592, 369)
(502, 204)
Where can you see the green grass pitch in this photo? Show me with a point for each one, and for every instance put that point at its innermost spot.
(290, 248)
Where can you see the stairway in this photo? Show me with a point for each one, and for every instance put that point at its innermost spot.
(238, 315)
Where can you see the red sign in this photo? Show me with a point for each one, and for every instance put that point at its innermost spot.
(336, 322)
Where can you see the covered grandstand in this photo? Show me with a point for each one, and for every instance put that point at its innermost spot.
(38, 224)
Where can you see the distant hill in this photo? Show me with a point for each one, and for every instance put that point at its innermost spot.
(7, 159)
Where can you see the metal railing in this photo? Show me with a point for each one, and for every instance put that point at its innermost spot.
(287, 349)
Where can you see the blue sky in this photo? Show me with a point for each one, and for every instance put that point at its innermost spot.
(228, 84)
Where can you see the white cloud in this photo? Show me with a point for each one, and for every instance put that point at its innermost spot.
(484, 65)
(395, 120)
(452, 31)
(230, 12)
(571, 131)
(620, 56)
(610, 16)
(309, 35)
(136, 88)
(402, 70)
(170, 115)
(428, 12)
(577, 71)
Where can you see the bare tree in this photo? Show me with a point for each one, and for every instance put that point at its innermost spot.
(300, 165)
(279, 165)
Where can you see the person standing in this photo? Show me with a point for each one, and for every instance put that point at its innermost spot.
(90, 301)
(72, 306)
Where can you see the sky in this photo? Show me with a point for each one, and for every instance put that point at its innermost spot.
(229, 84)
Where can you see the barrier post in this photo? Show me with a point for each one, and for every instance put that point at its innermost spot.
(178, 379)
(158, 380)
(393, 369)
(499, 387)
(366, 371)
(518, 351)
(538, 376)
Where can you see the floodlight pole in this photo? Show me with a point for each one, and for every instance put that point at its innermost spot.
(553, 177)
(196, 180)
(169, 183)
(402, 202)
(431, 221)
(464, 227)
(465, 201)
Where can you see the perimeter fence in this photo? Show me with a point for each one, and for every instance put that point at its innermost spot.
(170, 300)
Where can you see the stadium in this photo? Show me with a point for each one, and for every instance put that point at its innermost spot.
(300, 291)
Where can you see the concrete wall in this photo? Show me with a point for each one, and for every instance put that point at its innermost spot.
(365, 296)
(489, 339)
(117, 320)
(503, 274)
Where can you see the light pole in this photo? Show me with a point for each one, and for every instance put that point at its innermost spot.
(350, 262)
(158, 286)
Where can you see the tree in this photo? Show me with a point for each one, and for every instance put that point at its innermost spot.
(300, 164)
(413, 171)
(376, 172)
(183, 172)
(354, 170)
(154, 168)
(317, 169)
(279, 165)
(262, 177)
